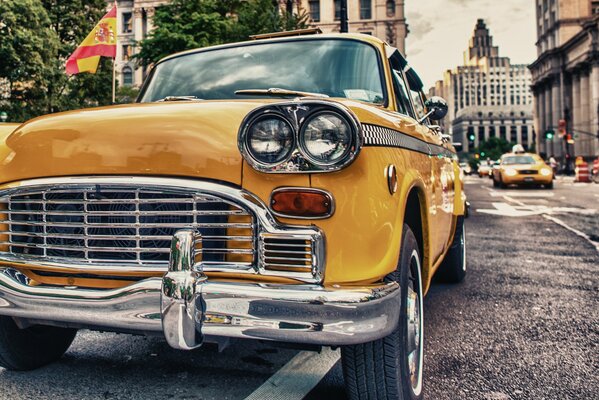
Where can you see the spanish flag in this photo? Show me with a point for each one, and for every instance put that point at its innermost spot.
(100, 42)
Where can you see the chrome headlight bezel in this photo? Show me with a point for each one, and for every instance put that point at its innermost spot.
(298, 113)
(252, 153)
(303, 146)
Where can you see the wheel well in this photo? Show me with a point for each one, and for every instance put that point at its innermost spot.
(413, 218)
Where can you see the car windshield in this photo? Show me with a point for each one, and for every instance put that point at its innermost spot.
(518, 160)
(333, 67)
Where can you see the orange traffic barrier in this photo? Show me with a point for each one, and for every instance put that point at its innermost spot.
(596, 167)
(582, 172)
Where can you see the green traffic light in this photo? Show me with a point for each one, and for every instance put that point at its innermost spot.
(471, 137)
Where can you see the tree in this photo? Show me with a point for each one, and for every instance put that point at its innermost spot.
(36, 38)
(188, 24)
(27, 46)
(72, 21)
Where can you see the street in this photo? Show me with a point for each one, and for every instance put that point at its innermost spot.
(523, 325)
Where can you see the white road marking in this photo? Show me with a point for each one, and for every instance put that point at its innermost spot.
(508, 210)
(562, 223)
(521, 194)
(298, 377)
(576, 231)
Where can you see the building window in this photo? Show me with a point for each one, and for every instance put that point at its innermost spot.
(502, 132)
(525, 135)
(491, 131)
(127, 23)
(127, 76)
(126, 52)
(595, 7)
(365, 9)
(337, 10)
(481, 134)
(315, 10)
(513, 134)
(390, 8)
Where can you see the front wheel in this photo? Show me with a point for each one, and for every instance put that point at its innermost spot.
(33, 347)
(391, 367)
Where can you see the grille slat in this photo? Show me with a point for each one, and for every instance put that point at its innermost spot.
(285, 254)
(122, 224)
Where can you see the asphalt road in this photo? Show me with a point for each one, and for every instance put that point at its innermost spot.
(524, 324)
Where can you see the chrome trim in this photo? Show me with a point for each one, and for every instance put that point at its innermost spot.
(298, 112)
(310, 314)
(265, 224)
(273, 115)
(303, 189)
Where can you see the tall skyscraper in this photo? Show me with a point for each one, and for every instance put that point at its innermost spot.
(487, 95)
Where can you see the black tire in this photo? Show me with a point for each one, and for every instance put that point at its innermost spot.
(453, 268)
(379, 370)
(495, 183)
(33, 347)
(549, 185)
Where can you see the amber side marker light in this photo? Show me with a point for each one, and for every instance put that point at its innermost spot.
(303, 203)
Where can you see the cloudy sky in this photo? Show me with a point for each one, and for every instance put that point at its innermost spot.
(440, 30)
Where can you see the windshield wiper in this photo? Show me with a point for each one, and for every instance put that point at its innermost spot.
(178, 98)
(278, 92)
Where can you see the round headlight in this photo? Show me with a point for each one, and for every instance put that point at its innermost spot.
(546, 171)
(270, 140)
(326, 138)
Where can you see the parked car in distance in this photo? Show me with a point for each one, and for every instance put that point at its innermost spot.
(278, 189)
(522, 169)
(466, 168)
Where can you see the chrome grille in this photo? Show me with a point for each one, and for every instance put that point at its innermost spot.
(527, 172)
(279, 253)
(121, 224)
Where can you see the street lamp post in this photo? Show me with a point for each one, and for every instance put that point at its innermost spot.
(344, 28)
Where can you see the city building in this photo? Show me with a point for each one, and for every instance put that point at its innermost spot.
(487, 96)
(382, 18)
(565, 78)
(134, 22)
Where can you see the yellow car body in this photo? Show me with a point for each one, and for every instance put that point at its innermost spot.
(70, 165)
(522, 169)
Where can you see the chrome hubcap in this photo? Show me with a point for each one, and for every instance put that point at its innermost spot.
(415, 327)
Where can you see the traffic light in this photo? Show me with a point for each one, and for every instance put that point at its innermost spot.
(482, 153)
(471, 137)
(569, 139)
(561, 126)
(549, 135)
(476, 156)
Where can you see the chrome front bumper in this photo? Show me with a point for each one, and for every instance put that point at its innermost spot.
(185, 306)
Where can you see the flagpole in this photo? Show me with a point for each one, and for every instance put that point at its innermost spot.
(113, 80)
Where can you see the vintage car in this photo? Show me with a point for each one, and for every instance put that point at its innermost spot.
(288, 189)
(522, 169)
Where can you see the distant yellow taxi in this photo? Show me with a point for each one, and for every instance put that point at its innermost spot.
(522, 169)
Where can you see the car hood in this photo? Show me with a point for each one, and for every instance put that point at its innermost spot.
(196, 139)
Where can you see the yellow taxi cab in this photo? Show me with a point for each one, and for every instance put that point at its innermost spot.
(522, 169)
(290, 189)
(484, 168)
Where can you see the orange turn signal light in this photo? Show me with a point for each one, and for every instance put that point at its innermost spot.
(302, 203)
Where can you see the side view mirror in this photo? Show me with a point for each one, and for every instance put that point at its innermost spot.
(437, 108)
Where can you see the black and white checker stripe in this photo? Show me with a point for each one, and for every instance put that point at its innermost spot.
(375, 135)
